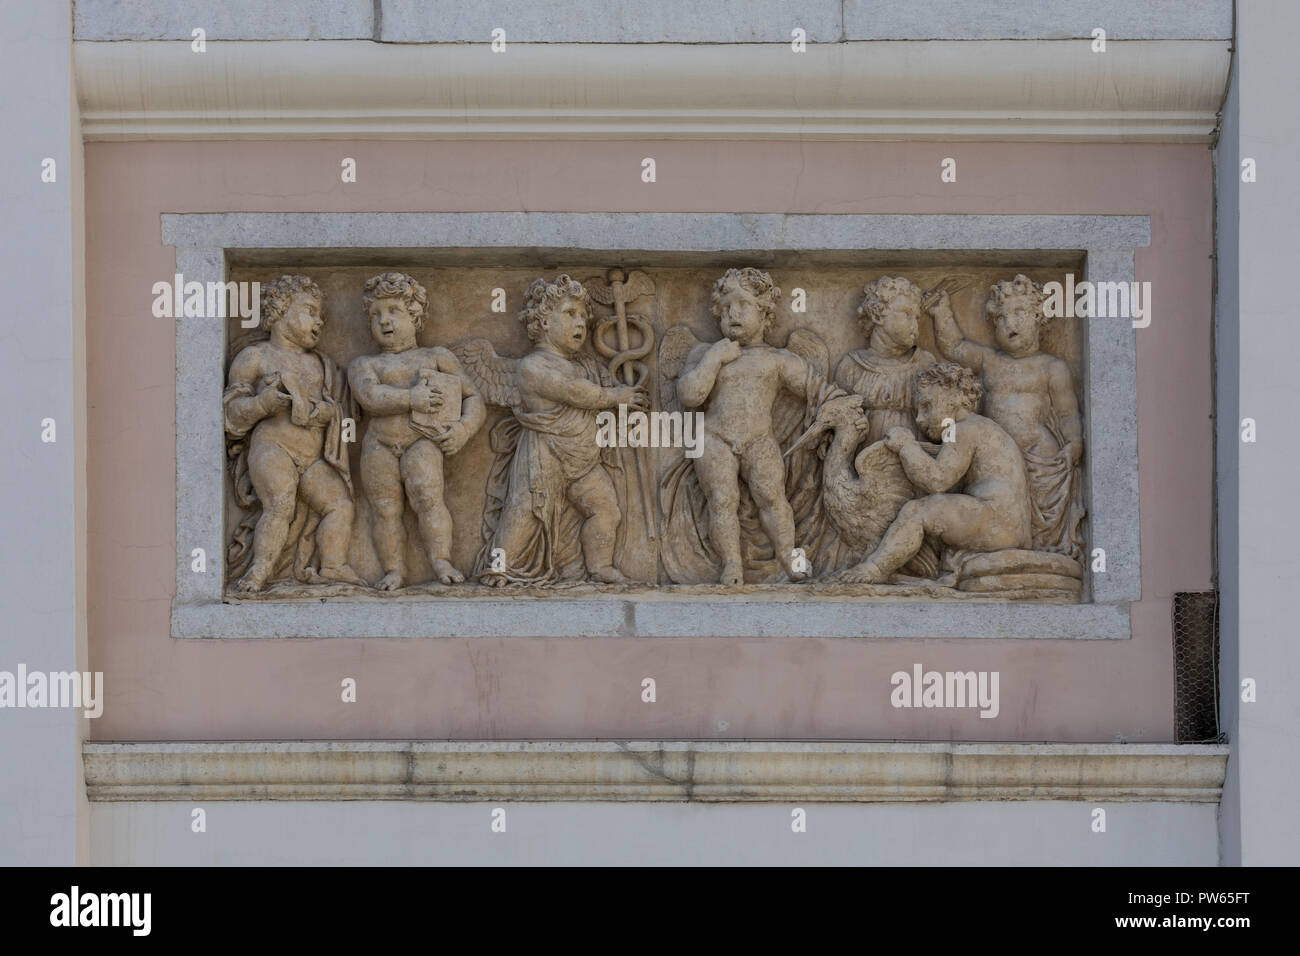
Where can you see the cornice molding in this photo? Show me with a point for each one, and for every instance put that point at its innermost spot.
(664, 21)
(1049, 90)
(704, 771)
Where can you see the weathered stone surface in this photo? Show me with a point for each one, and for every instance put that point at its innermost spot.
(421, 411)
(996, 583)
(1112, 437)
(613, 21)
(228, 20)
(754, 234)
(285, 409)
(653, 770)
(754, 466)
(1037, 19)
(668, 21)
(348, 252)
(751, 611)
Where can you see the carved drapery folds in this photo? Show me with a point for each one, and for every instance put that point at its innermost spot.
(629, 430)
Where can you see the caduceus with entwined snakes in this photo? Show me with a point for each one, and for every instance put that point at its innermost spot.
(625, 358)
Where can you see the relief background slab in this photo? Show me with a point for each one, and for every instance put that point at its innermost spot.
(458, 298)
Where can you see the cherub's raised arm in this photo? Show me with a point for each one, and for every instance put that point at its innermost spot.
(936, 475)
(557, 386)
(699, 375)
(955, 346)
(375, 398)
(1064, 402)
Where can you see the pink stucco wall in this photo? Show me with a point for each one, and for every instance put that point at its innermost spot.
(160, 688)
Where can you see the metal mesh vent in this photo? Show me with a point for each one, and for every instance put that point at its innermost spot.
(1196, 666)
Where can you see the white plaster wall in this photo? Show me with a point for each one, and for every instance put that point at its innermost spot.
(1266, 733)
(658, 834)
(43, 815)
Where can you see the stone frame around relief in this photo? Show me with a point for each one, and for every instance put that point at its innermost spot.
(206, 243)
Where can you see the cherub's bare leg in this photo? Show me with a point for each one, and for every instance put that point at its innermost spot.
(422, 474)
(765, 474)
(275, 479)
(718, 473)
(324, 490)
(961, 520)
(382, 479)
(594, 496)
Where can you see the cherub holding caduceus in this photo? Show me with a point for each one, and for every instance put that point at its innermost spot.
(555, 497)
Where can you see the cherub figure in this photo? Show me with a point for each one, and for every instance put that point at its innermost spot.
(421, 410)
(991, 515)
(884, 373)
(549, 485)
(1030, 394)
(737, 379)
(283, 412)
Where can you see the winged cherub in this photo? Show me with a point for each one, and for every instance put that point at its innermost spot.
(553, 510)
(756, 398)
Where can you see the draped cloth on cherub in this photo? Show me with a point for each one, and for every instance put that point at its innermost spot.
(1056, 496)
(853, 517)
(302, 529)
(887, 385)
(688, 554)
(528, 514)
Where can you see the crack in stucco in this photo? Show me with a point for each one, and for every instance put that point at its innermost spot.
(654, 765)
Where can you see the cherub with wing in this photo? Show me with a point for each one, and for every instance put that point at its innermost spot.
(755, 399)
(552, 511)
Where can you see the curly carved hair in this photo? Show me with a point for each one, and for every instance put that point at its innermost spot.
(277, 295)
(397, 285)
(753, 281)
(955, 378)
(881, 294)
(541, 299)
(1021, 287)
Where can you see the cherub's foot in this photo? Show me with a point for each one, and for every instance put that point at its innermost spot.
(254, 580)
(733, 575)
(340, 575)
(864, 573)
(444, 572)
(390, 581)
(608, 575)
(492, 580)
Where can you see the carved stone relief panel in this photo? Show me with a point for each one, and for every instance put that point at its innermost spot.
(883, 432)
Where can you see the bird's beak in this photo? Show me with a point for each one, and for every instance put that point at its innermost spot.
(815, 430)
